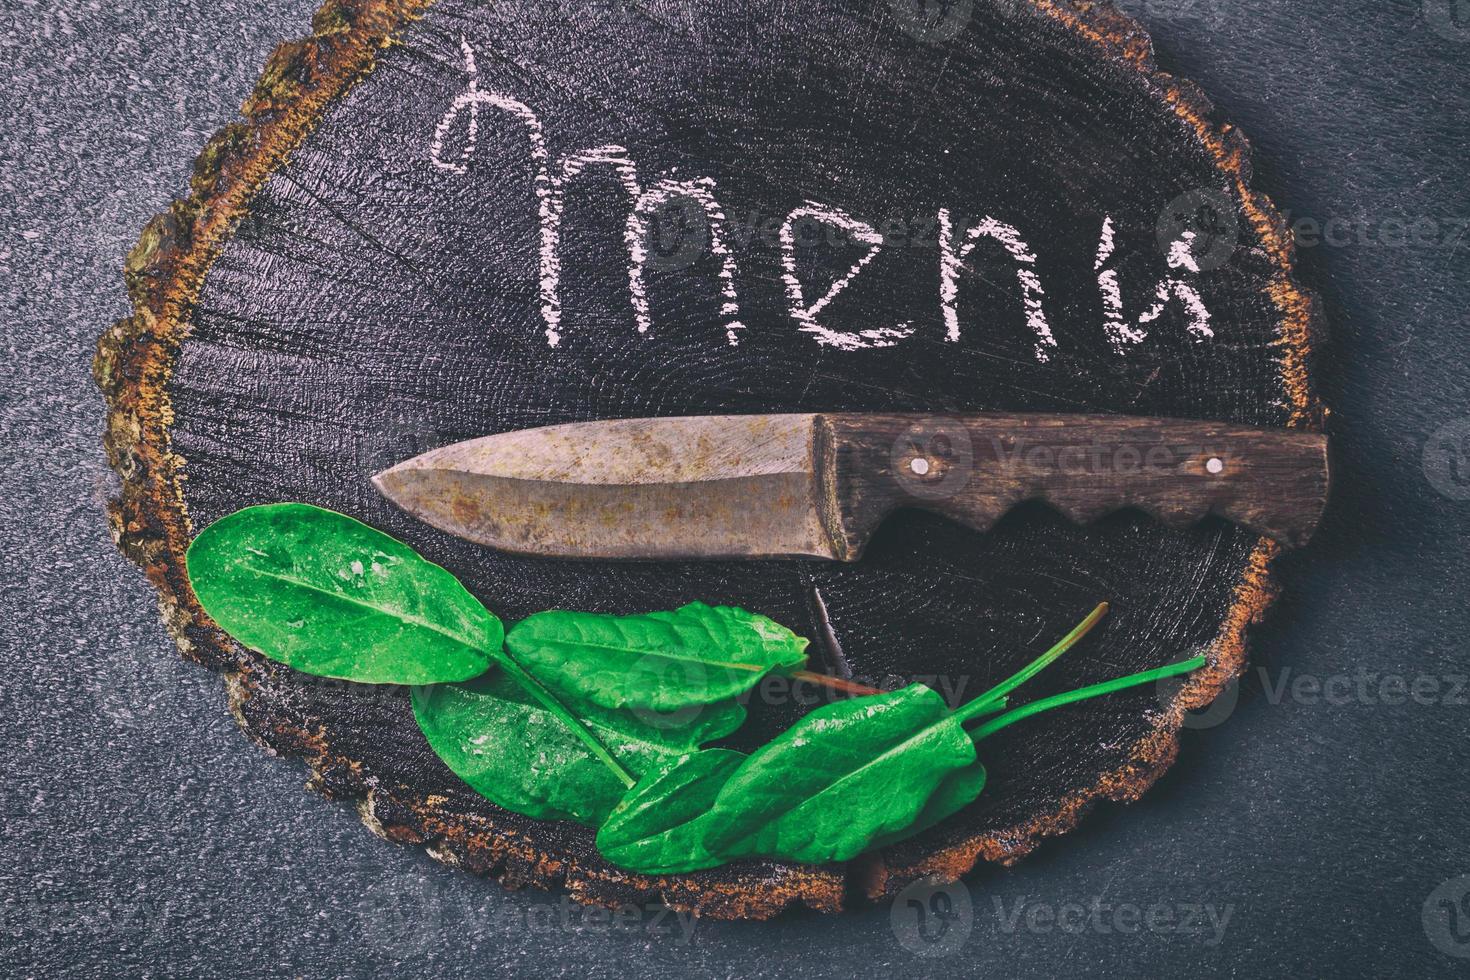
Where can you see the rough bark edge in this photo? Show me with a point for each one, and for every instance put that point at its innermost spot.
(151, 526)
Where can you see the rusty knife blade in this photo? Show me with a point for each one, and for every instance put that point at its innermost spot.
(711, 486)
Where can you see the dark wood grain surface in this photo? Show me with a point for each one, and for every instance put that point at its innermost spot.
(334, 298)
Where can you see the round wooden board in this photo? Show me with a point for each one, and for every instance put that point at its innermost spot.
(358, 276)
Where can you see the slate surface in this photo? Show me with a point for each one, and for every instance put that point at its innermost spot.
(139, 833)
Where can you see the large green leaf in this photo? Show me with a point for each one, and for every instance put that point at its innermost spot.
(660, 825)
(331, 596)
(508, 747)
(843, 776)
(663, 661)
(665, 823)
(847, 778)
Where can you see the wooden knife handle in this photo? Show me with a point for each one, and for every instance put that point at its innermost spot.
(974, 468)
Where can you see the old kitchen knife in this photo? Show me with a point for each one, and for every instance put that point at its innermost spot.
(817, 485)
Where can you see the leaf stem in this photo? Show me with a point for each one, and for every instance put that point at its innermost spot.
(548, 700)
(977, 707)
(1082, 694)
(835, 683)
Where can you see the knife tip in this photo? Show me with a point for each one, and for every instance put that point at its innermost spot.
(383, 482)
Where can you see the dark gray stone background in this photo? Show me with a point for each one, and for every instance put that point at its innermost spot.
(141, 834)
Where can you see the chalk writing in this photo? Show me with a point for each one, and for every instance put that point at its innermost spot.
(551, 197)
(955, 244)
(806, 314)
(951, 258)
(702, 191)
(1119, 332)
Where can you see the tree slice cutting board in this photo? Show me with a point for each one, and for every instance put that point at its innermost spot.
(445, 220)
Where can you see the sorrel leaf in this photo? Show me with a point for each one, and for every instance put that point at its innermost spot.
(660, 826)
(329, 595)
(843, 775)
(505, 744)
(788, 835)
(663, 661)
(847, 778)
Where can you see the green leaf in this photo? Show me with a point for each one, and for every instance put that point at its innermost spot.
(664, 823)
(847, 778)
(664, 661)
(331, 596)
(508, 747)
(844, 775)
(660, 825)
